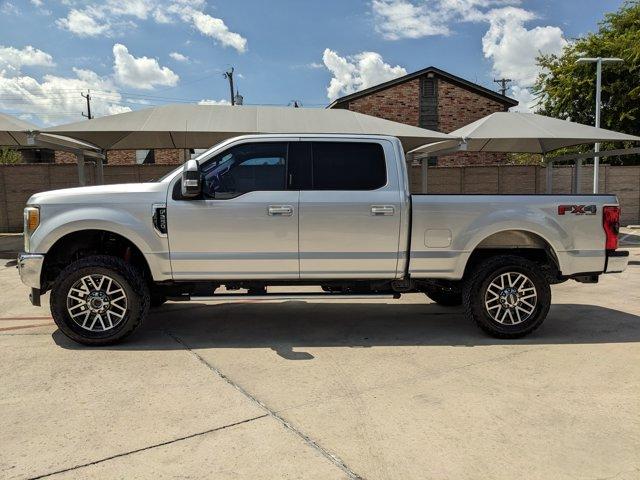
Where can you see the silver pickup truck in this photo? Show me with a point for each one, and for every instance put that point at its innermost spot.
(331, 211)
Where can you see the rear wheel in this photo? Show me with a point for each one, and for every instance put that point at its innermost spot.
(507, 297)
(99, 300)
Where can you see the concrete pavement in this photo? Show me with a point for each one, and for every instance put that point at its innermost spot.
(376, 389)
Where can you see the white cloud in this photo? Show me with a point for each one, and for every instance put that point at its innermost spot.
(357, 72)
(213, 102)
(83, 23)
(8, 8)
(396, 19)
(510, 46)
(93, 18)
(56, 99)
(178, 57)
(13, 59)
(210, 26)
(526, 100)
(513, 48)
(142, 72)
(37, 3)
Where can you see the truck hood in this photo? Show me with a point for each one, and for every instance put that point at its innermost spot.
(103, 194)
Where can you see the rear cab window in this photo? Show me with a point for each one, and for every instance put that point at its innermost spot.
(337, 166)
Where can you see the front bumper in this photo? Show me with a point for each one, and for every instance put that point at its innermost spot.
(617, 261)
(30, 268)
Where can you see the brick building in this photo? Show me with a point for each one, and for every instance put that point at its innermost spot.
(434, 99)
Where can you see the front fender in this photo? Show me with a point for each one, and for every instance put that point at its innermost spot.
(133, 223)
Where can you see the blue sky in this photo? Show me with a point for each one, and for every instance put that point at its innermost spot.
(133, 53)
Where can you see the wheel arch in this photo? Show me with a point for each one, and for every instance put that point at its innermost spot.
(82, 243)
(521, 242)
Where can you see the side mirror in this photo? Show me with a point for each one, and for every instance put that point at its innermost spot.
(191, 179)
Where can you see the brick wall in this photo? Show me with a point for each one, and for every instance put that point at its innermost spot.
(457, 106)
(64, 157)
(169, 156)
(163, 156)
(399, 103)
(121, 157)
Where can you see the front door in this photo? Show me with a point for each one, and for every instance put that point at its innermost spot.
(245, 226)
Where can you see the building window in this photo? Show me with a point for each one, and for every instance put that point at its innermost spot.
(429, 103)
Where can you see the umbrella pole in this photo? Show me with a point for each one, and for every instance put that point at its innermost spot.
(81, 176)
(549, 175)
(577, 178)
(99, 172)
(423, 169)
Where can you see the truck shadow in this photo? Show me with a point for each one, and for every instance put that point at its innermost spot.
(284, 327)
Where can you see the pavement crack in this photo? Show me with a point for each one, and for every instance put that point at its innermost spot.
(272, 413)
(149, 447)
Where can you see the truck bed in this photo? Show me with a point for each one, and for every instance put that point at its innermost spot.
(446, 229)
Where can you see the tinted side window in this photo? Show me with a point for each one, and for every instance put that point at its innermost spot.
(348, 166)
(300, 166)
(246, 168)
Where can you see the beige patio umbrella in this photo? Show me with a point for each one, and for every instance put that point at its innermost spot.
(201, 126)
(524, 133)
(15, 132)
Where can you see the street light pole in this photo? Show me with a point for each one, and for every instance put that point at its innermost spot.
(598, 61)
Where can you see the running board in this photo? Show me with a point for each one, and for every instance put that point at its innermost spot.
(238, 297)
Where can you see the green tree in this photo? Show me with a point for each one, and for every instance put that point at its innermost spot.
(7, 155)
(567, 90)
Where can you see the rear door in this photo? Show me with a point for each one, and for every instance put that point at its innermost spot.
(350, 211)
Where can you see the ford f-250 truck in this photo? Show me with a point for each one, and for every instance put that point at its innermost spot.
(332, 211)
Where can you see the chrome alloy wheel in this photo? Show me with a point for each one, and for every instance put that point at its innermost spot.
(511, 298)
(97, 303)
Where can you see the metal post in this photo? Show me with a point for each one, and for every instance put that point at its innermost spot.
(423, 168)
(577, 178)
(81, 176)
(99, 172)
(549, 176)
(596, 158)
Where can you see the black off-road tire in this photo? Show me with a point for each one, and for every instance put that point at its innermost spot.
(130, 279)
(475, 288)
(446, 298)
(157, 299)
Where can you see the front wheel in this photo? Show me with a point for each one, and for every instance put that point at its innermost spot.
(507, 297)
(99, 300)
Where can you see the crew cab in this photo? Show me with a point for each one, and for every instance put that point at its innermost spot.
(332, 211)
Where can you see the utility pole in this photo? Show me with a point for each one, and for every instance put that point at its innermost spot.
(88, 97)
(503, 85)
(229, 76)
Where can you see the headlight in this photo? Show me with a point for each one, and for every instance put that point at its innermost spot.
(31, 222)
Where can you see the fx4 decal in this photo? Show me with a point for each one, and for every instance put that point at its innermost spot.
(577, 209)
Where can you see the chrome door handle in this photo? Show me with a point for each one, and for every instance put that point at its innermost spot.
(382, 210)
(280, 210)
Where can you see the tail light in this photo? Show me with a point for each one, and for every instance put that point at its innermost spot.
(611, 225)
